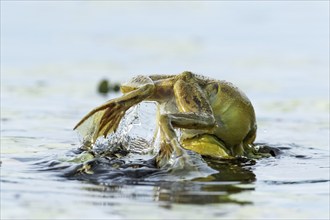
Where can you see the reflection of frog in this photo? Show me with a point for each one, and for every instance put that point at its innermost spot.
(216, 119)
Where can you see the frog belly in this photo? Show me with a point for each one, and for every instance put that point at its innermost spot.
(207, 145)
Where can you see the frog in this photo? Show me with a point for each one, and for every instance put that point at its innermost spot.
(215, 118)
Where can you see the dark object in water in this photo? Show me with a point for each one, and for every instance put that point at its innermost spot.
(105, 87)
(115, 87)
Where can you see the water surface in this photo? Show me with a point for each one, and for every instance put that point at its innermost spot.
(54, 54)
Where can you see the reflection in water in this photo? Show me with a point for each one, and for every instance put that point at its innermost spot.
(118, 176)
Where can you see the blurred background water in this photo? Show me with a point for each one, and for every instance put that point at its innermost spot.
(53, 54)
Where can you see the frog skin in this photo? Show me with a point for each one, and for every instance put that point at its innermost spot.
(216, 118)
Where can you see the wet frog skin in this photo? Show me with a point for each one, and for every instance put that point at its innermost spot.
(216, 119)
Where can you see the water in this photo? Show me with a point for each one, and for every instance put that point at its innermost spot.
(53, 54)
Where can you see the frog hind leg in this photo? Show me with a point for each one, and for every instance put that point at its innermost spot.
(165, 151)
(194, 113)
(106, 118)
(251, 150)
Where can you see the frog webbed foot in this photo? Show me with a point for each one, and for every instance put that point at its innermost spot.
(182, 162)
(265, 149)
(257, 151)
(101, 121)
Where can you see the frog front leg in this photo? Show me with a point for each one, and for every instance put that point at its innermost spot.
(106, 118)
(195, 112)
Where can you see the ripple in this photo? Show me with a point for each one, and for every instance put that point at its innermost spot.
(273, 182)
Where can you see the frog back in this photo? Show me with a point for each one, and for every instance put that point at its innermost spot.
(233, 112)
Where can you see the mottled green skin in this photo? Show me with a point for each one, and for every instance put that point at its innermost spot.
(216, 118)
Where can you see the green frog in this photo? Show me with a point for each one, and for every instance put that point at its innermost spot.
(215, 118)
